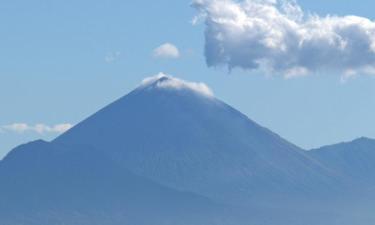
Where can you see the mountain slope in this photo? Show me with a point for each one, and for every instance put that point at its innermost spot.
(44, 183)
(54, 184)
(171, 132)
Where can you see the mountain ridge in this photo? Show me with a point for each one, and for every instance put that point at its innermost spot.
(354, 159)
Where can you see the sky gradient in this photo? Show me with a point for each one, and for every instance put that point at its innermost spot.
(62, 61)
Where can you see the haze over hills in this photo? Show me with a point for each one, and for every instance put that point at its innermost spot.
(172, 151)
(45, 183)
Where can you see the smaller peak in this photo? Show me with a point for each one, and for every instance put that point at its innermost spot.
(38, 142)
(25, 149)
(363, 139)
(164, 81)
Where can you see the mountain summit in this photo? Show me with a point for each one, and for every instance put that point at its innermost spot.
(163, 81)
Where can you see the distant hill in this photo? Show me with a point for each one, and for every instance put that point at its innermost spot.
(354, 160)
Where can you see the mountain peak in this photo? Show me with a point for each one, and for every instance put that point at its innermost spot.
(176, 133)
(363, 139)
(163, 81)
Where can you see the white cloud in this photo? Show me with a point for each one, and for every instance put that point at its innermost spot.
(278, 37)
(165, 81)
(61, 128)
(16, 127)
(149, 80)
(167, 51)
(38, 128)
(112, 56)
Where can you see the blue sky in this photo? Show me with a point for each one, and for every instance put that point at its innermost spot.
(63, 60)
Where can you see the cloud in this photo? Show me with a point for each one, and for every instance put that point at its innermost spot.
(112, 57)
(166, 51)
(165, 81)
(16, 127)
(276, 36)
(38, 128)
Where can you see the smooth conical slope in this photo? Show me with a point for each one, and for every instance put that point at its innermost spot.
(176, 133)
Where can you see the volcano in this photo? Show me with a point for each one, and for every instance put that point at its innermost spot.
(169, 152)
